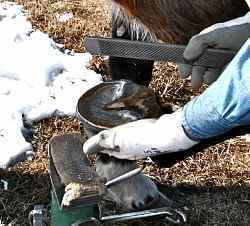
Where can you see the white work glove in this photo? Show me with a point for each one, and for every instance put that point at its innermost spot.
(142, 138)
(230, 35)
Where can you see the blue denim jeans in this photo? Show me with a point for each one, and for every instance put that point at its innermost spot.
(225, 104)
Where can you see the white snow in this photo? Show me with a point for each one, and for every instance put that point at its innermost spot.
(4, 186)
(246, 137)
(64, 17)
(38, 79)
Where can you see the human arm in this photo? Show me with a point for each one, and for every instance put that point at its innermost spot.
(223, 106)
(142, 138)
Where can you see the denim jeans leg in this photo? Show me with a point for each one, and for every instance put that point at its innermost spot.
(225, 104)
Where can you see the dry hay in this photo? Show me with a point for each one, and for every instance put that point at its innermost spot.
(89, 18)
(214, 185)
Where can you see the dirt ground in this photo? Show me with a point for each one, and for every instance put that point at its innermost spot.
(214, 185)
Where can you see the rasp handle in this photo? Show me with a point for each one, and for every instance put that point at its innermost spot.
(214, 58)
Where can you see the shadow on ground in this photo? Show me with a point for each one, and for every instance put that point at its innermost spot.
(23, 193)
(225, 205)
(204, 205)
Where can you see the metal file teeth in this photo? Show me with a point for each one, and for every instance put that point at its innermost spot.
(214, 58)
(71, 170)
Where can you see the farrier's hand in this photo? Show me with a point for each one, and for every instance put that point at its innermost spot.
(141, 139)
(230, 35)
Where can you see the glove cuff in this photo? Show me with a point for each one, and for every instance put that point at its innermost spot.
(185, 140)
(182, 140)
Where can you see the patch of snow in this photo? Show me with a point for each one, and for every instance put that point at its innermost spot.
(38, 79)
(64, 17)
(246, 137)
(4, 186)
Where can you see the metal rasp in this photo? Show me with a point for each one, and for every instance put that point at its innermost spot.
(214, 58)
(69, 165)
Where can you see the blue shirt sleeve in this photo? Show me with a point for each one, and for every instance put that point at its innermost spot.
(225, 104)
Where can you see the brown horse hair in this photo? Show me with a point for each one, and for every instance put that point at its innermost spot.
(174, 21)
